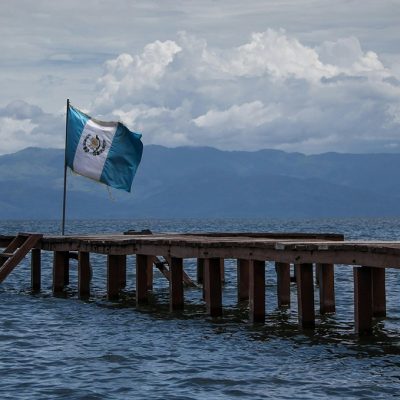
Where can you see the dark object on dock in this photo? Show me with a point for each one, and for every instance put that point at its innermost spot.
(251, 250)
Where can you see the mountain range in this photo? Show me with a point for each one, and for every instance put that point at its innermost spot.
(204, 182)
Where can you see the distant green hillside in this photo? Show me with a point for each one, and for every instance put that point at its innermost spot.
(205, 182)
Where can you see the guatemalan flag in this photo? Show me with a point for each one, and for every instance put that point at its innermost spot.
(107, 152)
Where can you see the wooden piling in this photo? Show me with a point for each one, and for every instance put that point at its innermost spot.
(222, 267)
(36, 270)
(305, 295)
(257, 291)
(212, 286)
(150, 274)
(363, 300)
(283, 284)
(243, 279)
(326, 281)
(122, 271)
(200, 270)
(60, 264)
(176, 284)
(84, 274)
(378, 292)
(113, 276)
(141, 278)
(66, 271)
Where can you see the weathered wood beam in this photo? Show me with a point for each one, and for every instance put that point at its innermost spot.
(84, 274)
(243, 279)
(150, 272)
(114, 263)
(122, 271)
(378, 292)
(305, 295)
(363, 300)
(326, 281)
(283, 284)
(141, 278)
(222, 267)
(36, 270)
(176, 284)
(212, 286)
(257, 291)
(60, 263)
(200, 270)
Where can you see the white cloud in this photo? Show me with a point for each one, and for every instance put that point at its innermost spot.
(272, 91)
(128, 74)
(25, 125)
(247, 115)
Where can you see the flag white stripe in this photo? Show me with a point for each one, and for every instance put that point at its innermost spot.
(88, 163)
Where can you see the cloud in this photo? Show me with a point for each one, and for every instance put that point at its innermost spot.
(126, 75)
(272, 91)
(24, 125)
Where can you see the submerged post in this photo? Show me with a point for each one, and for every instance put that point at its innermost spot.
(212, 286)
(243, 279)
(141, 278)
(363, 300)
(283, 284)
(326, 279)
(378, 292)
(176, 284)
(60, 265)
(113, 276)
(83, 274)
(257, 291)
(35, 270)
(305, 295)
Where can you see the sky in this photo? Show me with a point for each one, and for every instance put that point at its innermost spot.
(308, 76)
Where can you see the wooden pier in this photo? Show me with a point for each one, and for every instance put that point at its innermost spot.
(251, 250)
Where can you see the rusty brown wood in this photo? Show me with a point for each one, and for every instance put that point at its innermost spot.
(113, 276)
(305, 295)
(222, 266)
(363, 300)
(176, 284)
(84, 274)
(243, 279)
(257, 291)
(383, 254)
(14, 253)
(36, 270)
(66, 271)
(283, 284)
(187, 282)
(200, 270)
(213, 288)
(378, 292)
(326, 281)
(60, 263)
(122, 271)
(141, 278)
(150, 272)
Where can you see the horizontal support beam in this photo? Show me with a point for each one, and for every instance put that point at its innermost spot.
(334, 253)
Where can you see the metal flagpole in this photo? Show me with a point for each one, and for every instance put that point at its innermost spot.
(65, 171)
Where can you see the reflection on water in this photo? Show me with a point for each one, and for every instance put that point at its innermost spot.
(53, 348)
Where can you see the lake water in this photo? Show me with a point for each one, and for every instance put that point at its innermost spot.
(55, 348)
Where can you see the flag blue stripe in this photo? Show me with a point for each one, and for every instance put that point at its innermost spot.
(123, 159)
(75, 125)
